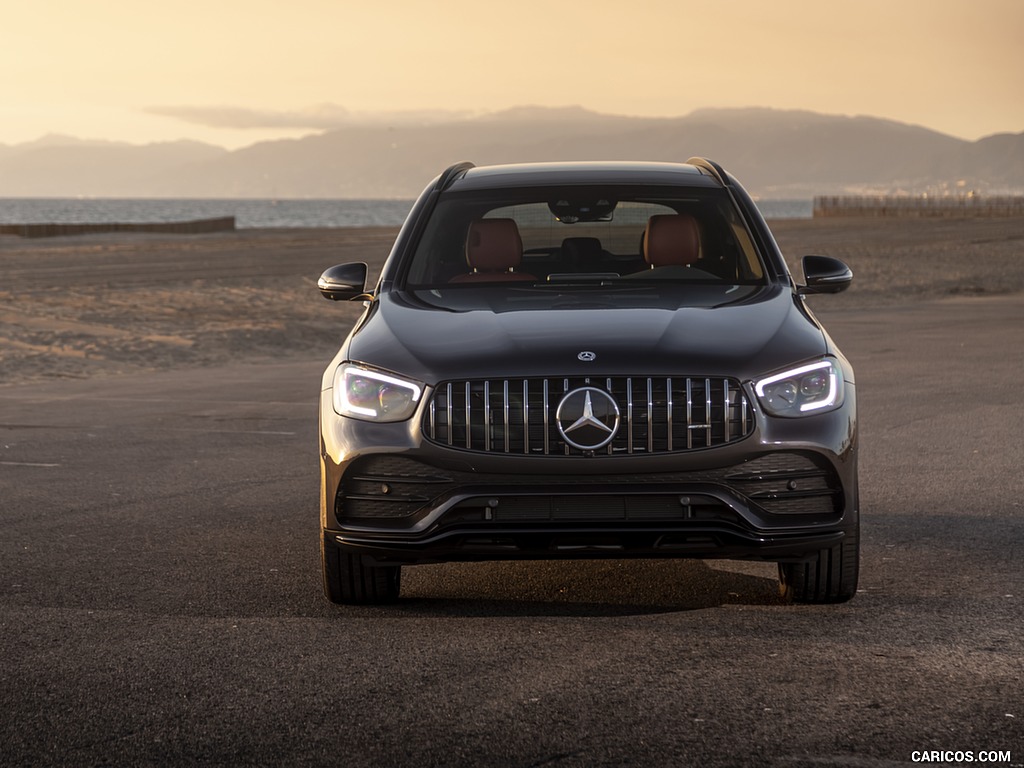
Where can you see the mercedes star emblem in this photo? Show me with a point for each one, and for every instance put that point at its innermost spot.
(587, 418)
(587, 357)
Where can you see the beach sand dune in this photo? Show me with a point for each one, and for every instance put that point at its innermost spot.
(104, 305)
(111, 304)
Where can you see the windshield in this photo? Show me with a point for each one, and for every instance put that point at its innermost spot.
(578, 246)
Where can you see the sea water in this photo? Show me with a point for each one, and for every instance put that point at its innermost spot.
(253, 213)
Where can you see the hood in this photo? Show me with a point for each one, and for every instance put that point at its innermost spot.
(743, 340)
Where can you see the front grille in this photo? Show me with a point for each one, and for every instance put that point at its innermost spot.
(657, 415)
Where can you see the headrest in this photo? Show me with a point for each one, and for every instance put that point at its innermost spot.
(494, 245)
(582, 251)
(671, 239)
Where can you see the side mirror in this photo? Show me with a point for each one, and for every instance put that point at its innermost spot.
(343, 282)
(823, 274)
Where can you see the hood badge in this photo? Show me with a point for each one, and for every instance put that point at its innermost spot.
(587, 357)
(587, 418)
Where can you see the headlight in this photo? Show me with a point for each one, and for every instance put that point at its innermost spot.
(809, 389)
(363, 393)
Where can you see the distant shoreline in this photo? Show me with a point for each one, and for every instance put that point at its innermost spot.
(919, 206)
(62, 217)
(194, 227)
(257, 213)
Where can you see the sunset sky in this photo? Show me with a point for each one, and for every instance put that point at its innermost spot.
(234, 72)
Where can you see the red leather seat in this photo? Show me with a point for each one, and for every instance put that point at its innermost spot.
(494, 250)
(671, 240)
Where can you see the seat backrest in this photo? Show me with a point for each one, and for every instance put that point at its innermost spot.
(493, 249)
(671, 240)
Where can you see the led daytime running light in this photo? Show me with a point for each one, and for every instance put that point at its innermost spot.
(828, 401)
(345, 406)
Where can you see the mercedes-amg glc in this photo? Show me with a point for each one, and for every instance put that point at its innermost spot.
(581, 360)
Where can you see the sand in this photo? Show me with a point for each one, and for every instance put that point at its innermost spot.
(104, 305)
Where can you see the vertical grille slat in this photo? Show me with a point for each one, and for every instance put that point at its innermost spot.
(547, 420)
(668, 386)
(656, 414)
(469, 418)
(707, 413)
(650, 418)
(629, 417)
(726, 410)
(689, 414)
(488, 434)
(451, 425)
(565, 390)
(526, 416)
(508, 419)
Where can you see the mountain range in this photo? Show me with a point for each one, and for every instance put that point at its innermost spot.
(775, 153)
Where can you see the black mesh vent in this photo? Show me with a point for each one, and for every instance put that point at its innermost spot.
(397, 488)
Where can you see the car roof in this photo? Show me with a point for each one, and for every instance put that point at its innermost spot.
(603, 172)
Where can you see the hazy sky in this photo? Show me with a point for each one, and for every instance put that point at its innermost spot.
(140, 72)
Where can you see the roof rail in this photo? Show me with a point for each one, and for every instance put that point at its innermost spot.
(451, 174)
(711, 168)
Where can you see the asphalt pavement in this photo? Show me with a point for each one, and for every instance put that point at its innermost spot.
(160, 599)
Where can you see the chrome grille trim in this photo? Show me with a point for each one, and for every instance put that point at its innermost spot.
(448, 401)
(707, 409)
(608, 386)
(507, 419)
(726, 413)
(469, 405)
(668, 388)
(650, 417)
(629, 420)
(526, 416)
(689, 414)
(487, 415)
(661, 414)
(547, 420)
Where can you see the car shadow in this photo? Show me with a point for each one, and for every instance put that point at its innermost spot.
(585, 587)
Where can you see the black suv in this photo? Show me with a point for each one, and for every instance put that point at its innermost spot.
(579, 360)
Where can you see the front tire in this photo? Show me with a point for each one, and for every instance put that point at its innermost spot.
(348, 581)
(829, 577)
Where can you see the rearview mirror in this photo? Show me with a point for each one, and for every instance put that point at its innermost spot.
(573, 211)
(343, 282)
(823, 274)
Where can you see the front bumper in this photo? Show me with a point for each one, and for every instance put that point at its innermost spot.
(782, 494)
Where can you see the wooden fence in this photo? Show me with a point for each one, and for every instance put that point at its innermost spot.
(919, 207)
(197, 227)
